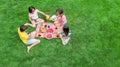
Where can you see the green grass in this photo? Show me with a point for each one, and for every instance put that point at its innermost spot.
(95, 41)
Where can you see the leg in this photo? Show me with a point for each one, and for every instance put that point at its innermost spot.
(33, 24)
(32, 35)
(37, 30)
(35, 43)
(39, 20)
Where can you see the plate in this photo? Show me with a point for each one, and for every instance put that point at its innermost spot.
(50, 30)
(49, 36)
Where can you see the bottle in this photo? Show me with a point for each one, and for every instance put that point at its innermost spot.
(48, 26)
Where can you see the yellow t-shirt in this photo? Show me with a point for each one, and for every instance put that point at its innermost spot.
(23, 36)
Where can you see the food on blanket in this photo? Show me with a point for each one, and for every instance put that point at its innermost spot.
(50, 30)
(49, 36)
(38, 35)
(43, 29)
(58, 36)
(56, 28)
(47, 17)
(45, 26)
(48, 26)
(54, 18)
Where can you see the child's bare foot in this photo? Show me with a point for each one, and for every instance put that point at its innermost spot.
(28, 49)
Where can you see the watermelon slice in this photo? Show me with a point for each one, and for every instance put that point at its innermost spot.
(49, 36)
(50, 30)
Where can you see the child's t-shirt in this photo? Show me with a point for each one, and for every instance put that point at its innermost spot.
(23, 36)
(62, 19)
(66, 39)
(63, 34)
(34, 16)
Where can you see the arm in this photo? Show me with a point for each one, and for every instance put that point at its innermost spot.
(28, 24)
(64, 20)
(42, 13)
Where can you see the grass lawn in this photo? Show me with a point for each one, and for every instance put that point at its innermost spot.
(95, 42)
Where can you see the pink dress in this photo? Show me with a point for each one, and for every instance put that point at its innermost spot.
(62, 19)
(34, 16)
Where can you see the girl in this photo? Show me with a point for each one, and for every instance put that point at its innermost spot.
(33, 15)
(65, 35)
(61, 17)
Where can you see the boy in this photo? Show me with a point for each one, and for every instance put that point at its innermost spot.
(28, 39)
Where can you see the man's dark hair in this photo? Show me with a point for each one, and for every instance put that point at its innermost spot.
(23, 28)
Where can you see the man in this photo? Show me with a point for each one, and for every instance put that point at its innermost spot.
(28, 39)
